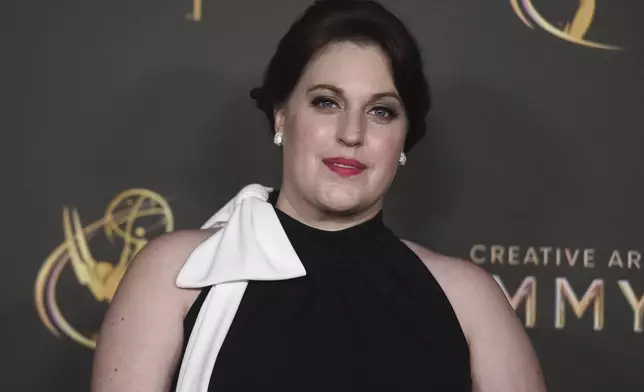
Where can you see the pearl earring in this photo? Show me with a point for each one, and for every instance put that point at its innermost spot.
(277, 139)
(403, 159)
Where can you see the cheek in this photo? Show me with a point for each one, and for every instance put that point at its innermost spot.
(386, 152)
(387, 160)
(388, 145)
(310, 134)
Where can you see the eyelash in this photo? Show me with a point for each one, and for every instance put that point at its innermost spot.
(318, 101)
(389, 113)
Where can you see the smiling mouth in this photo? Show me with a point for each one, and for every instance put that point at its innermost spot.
(345, 167)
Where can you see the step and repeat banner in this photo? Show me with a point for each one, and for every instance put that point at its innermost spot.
(136, 120)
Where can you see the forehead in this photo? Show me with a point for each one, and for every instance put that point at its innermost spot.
(358, 68)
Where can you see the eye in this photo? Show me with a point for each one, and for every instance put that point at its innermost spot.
(384, 112)
(324, 103)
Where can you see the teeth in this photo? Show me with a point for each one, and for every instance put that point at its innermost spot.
(344, 166)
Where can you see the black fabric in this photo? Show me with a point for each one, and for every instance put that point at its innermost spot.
(367, 316)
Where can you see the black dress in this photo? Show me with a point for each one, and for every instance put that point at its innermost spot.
(367, 316)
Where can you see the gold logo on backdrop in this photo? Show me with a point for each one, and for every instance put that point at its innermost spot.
(573, 31)
(197, 8)
(130, 221)
(572, 301)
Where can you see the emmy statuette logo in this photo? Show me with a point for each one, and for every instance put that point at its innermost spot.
(131, 219)
(573, 31)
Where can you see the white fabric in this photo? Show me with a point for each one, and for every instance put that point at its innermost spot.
(250, 245)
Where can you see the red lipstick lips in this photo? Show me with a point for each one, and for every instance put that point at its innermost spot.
(345, 167)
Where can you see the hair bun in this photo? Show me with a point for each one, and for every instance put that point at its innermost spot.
(256, 93)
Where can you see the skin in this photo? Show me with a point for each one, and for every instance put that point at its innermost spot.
(502, 357)
(356, 114)
(345, 105)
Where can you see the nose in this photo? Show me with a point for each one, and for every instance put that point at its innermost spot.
(351, 130)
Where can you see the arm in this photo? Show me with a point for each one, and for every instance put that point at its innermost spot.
(142, 333)
(502, 357)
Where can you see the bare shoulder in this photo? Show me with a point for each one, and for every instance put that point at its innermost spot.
(460, 279)
(142, 333)
(502, 356)
(159, 263)
(445, 265)
(472, 291)
(169, 251)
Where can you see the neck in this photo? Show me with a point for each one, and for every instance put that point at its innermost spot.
(319, 217)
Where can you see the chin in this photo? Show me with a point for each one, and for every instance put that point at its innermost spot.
(341, 199)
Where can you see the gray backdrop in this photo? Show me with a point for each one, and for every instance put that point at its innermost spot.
(534, 149)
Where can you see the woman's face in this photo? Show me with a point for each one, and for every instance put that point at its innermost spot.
(344, 128)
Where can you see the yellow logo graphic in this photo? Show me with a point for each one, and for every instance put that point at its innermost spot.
(132, 218)
(197, 8)
(573, 31)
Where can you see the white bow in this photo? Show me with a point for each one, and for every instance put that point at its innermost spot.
(250, 245)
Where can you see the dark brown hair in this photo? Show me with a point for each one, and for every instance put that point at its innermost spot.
(360, 21)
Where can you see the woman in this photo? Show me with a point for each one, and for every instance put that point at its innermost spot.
(305, 288)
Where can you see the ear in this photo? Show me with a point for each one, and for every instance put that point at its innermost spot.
(279, 117)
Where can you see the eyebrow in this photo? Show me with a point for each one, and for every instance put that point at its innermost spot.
(339, 91)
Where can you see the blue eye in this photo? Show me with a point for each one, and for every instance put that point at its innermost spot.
(383, 112)
(324, 103)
